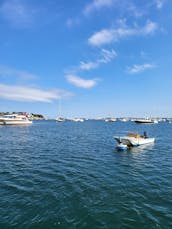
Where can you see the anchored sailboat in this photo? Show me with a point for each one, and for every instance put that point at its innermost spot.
(59, 118)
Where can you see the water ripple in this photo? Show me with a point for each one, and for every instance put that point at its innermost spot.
(70, 176)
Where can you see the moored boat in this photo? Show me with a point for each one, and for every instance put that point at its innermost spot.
(14, 119)
(110, 120)
(78, 120)
(134, 140)
(146, 121)
(60, 119)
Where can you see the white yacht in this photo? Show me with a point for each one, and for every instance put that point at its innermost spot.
(14, 119)
(146, 121)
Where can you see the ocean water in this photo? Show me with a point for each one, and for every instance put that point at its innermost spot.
(69, 175)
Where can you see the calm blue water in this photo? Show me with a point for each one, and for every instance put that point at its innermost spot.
(69, 175)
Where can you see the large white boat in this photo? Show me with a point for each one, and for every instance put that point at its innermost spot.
(146, 121)
(134, 140)
(14, 119)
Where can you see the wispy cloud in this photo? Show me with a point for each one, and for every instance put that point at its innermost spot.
(6, 71)
(97, 5)
(107, 36)
(72, 77)
(132, 9)
(17, 13)
(71, 22)
(139, 68)
(159, 3)
(88, 65)
(106, 56)
(80, 82)
(121, 7)
(31, 94)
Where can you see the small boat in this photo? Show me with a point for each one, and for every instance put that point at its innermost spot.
(60, 119)
(146, 121)
(122, 147)
(14, 119)
(134, 140)
(110, 120)
(77, 119)
(123, 119)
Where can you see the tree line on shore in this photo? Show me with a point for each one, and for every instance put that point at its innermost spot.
(31, 115)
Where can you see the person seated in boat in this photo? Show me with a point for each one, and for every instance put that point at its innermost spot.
(145, 134)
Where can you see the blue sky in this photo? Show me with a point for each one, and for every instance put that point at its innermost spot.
(98, 57)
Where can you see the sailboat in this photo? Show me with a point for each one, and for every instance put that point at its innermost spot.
(59, 118)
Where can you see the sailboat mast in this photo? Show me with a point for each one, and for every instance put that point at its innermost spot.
(59, 108)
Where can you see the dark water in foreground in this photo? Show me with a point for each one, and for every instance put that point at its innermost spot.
(69, 175)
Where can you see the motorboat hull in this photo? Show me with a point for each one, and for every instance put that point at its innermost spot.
(17, 122)
(133, 141)
(14, 119)
(146, 121)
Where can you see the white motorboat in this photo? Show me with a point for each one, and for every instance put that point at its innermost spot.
(110, 120)
(14, 119)
(78, 120)
(134, 140)
(123, 119)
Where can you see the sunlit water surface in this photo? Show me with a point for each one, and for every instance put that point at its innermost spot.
(69, 175)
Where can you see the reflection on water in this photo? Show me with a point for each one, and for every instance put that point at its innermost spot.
(139, 149)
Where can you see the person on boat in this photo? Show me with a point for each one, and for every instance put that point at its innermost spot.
(145, 134)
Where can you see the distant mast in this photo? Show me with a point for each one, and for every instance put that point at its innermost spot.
(59, 117)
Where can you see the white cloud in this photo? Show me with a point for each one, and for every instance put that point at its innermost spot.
(97, 5)
(80, 82)
(106, 57)
(149, 28)
(133, 10)
(140, 68)
(159, 3)
(71, 22)
(144, 55)
(7, 71)
(31, 94)
(107, 36)
(17, 13)
(102, 37)
(88, 65)
(71, 75)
